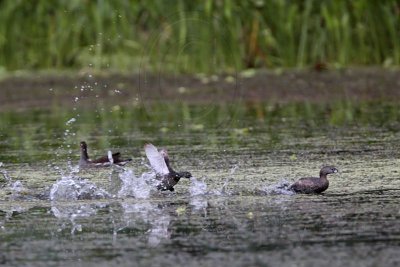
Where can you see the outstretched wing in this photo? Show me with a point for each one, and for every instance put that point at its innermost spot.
(156, 159)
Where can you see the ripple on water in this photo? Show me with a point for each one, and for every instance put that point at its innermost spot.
(215, 221)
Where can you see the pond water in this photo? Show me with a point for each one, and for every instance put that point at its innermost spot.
(234, 212)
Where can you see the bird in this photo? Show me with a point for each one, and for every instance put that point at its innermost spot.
(105, 161)
(159, 161)
(314, 185)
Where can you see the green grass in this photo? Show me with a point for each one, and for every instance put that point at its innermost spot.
(197, 36)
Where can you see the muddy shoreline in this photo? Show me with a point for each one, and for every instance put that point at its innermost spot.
(49, 90)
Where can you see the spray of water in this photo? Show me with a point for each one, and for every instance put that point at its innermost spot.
(198, 191)
(197, 187)
(4, 173)
(280, 188)
(75, 188)
(133, 186)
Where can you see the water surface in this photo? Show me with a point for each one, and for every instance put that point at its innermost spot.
(233, 212)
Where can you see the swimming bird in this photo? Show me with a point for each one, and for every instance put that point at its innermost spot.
(159, 161)
(105, 161)
(310, 185)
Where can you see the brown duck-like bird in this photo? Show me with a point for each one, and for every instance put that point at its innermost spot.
(84, 161)
(314, 185)
(159, 161)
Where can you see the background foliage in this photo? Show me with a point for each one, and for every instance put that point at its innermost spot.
(197, 36)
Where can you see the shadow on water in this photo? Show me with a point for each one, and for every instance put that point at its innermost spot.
(236, 211)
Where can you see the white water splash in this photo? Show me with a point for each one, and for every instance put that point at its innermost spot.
(234, 169)
(4, 173)
(73, 168)
(133, 186)
(17, 187)
(280, 188)
(223, 190)
(110, 157)
(74, 188)
(18, 190)
(198, 190)
(197, 187)
(70, 121)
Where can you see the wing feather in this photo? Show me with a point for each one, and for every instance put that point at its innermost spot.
(156, 159)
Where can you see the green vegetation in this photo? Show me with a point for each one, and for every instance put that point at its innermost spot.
(197, 36)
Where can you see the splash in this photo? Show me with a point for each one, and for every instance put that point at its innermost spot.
(133, 186)
(281, 188)
(197, 187)
(19, 191)
(198, 190)
(17, 187)
(110, 157)
(223, 190)
(75, 188)
(3, 172)
(70, 121)
(234, 169)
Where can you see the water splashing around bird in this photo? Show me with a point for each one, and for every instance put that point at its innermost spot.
(75, 188)
(198, 190)
(280, 188)
(197, 187)
(133, 186)
(4, 173)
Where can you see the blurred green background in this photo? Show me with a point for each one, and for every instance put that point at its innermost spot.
(198, 36)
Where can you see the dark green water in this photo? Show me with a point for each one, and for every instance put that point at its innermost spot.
(242, 152)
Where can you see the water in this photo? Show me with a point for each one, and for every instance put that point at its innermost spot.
(234, 212)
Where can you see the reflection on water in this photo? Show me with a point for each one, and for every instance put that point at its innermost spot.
(237, 210)
(73, 214)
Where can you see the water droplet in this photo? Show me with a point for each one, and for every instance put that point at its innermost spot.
(72, 120)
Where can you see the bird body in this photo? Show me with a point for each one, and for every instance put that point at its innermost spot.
(314, 185)
(104, 161)
(159, 161)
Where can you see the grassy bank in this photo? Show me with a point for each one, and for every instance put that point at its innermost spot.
(197, 36)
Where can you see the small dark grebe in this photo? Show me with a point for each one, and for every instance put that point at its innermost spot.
(310, 185)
